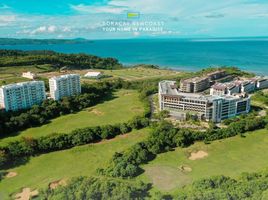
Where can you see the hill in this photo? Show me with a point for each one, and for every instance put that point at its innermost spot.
(15, 41)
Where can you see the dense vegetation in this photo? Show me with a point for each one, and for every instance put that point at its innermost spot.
(98, 188)
(57, 60)
(165, 137)
(229, 70)
(247, 186)
(260, 96)
(16, 151)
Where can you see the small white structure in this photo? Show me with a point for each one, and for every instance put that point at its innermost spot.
(95, 75)
(29, 75)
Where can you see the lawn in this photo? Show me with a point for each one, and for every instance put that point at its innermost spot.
(130, 74)
(79, 161)
(13, 74)
(229, 157)
(140, 73)
(123, 107)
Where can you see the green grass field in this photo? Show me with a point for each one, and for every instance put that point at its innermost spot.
(79, 161)
(13, 74)
(229, 157)
(122, 108)
(130, 74)
(140, 73)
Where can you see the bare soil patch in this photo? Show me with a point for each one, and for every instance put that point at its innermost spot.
(198, 155)
(166, 178)
(11, 174)
(97, 112)
(53, 185)
(26, 194)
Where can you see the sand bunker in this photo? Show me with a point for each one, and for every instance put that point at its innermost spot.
(26, 194)
(97, 112)
(198, 155)
(11, 174)
(184, 168)
(56, 184)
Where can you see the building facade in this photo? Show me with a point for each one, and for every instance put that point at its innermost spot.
(194, 85)
(248, 86)
(199, 84)
(22, 95)
(225, 88)
(208, 107)
(262, 83)
(216, 75)
(64, 86)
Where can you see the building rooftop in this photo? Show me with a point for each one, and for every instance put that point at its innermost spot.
(64, 76)
(195, 79)
(20, 84)
(93, 74)
(229, 85)
(166, 88)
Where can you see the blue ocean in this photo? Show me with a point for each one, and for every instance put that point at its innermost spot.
(181, 54)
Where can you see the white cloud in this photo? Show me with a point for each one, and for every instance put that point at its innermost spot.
(51, 29)
(110, 8)
(6, 20)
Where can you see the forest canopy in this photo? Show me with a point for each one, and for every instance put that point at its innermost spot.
(57, 60)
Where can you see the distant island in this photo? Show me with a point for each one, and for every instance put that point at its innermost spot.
(15, 41)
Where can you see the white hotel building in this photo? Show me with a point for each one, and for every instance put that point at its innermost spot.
(22, 95)
(208, 107)
(64, 86)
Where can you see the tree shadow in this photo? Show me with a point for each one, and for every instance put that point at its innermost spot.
(16, 163)
(255, 108)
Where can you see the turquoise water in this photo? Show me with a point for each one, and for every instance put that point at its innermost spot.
(192, 55)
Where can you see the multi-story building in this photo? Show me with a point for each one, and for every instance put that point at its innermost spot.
(216, 75)
(199, 84)
(194, 85)
(209, 107)
(225, 88)
(22, 95)
(240, 86)
(64, 86)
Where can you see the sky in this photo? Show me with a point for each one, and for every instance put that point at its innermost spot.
(109, 19)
